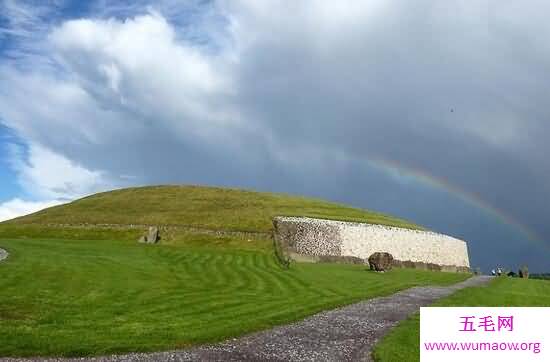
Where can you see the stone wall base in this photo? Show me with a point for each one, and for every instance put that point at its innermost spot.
(430, 266)
(301, 258)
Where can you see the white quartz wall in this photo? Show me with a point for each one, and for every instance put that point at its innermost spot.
(403, 244)
(361, 240)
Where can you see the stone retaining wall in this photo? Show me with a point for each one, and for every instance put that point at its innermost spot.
(318, 238)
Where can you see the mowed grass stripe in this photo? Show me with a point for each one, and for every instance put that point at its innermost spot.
(73, 298)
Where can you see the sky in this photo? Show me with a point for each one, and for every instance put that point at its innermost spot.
(436, 112)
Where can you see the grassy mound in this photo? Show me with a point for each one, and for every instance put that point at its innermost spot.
(77, 282)
(72, 298)
(200, 207)
(403, 342)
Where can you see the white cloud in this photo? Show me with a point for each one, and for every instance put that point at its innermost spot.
(138, 66)
(17, 207)
(122, 96)
(23, 19)
(46, 175)
(122, 87)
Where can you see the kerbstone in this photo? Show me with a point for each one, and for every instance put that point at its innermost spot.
(380, 261)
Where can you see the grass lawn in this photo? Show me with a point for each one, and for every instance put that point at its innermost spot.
(74, 298)
(402, 343)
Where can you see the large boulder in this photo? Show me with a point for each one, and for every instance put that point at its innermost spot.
(380, 261)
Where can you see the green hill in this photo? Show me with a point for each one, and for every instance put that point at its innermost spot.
(122, 214)
(198, 206)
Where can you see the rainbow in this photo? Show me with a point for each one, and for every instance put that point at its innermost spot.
(395, 168)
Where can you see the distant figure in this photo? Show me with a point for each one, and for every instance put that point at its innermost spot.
(493, 272)
(499, 271)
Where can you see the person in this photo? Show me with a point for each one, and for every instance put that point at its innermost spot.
(493, 272)
(499, 271)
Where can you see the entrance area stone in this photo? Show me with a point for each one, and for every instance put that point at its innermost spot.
(380, 261)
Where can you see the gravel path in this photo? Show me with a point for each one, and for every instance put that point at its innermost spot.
(345, 334)
(3, 254)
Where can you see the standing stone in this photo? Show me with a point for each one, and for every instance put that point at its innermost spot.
(153, 235)
(380, 261)
(524, 272)
(3, 254)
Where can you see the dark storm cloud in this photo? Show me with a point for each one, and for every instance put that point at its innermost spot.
(386, 88)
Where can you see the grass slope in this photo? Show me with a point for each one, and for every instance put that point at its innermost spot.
(72, 298)
(402, 343)
(202, 207)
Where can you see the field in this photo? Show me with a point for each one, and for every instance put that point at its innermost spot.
(73, 298)
(402, 343)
